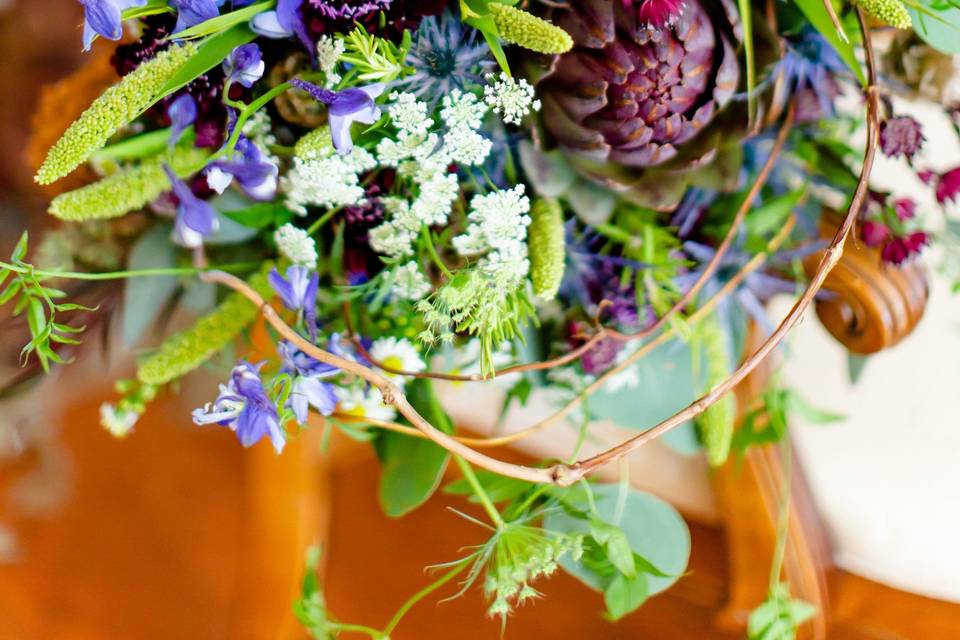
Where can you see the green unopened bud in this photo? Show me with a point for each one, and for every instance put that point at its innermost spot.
(118, 106)
(127, 190)
(316, 144)
(189, 349)
(528, 31)
(891, 12)
(547, 247)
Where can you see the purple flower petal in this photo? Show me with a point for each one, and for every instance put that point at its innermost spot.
(192, 12)
(195, 219)
(104, 18)
(244, 65)
(182, 113)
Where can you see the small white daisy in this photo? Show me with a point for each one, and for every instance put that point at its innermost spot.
(364, 403)
(397, 353)
(118, 422)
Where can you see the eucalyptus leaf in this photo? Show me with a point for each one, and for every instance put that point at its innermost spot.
(144, 298)
(855, 366)
(938, 23)
(625, 594)
(223, 22)
(653, 528)
(412, 468)
(817, 15)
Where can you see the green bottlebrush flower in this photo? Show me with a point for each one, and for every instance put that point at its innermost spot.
(891, 12)
(127, 190)
(187, 350)
(717, 422)
(118, 106)
(528, 31)
(547, 247)
(318, 143)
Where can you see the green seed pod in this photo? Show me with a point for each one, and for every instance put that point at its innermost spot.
(528, 31)
(127, 190)
(189, 349)
(891, 12)
(546, 240)
(118, 106)
(316, 144)
(716, 424)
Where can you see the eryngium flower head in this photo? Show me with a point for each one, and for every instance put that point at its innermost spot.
(631, 94)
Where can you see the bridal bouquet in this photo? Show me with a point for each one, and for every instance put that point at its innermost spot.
(535, 194)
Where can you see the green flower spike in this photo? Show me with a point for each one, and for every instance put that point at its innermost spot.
(189, 349)
(127, 190)
(891, 12)
(716, 424)
(547, 247)
(119, 105)
(528, 31)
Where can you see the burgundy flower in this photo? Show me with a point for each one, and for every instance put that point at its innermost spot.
(340, 16)
(901, 136)
(905, 208)
(601, 357)
(657, 14)
(874, 234)
(901, 249)
(948, 186)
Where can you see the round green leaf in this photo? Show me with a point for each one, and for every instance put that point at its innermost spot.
(938, 23)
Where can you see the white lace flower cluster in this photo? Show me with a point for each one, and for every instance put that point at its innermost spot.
(329, 50)
(324, 178)
(498, 232)
(512, 99)
(409, 283)
(297, 245)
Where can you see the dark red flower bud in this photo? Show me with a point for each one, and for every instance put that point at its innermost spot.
(657, 14)
(905, 208)
(873, 233)
(901, 136)
(948, 186)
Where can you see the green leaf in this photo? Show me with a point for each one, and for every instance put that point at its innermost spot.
(817, 15)
(153, 7)
(221, 23)
(261, 215)
(855, 366)
(12, 290)
(746, 19)
(937, 23)
(498, 488)
(614, 540)
(653, 528)
(412, 468)
(145, 298)
(814, 415)
(625, 595)
(212, 52)
(138, 147)
(36, 317)
(770, 217)
(20, 250)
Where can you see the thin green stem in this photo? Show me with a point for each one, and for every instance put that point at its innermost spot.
(432, 250)
(783, 517)
(420, 595)
(590, 499)
(123, 275)
(516, 512)
(488, 506)
(322, 220)
(356, 628)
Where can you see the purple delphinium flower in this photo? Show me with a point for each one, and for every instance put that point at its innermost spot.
(104, 18)
(283, 22)
(344, 108)
(298, 291)
(244, 407)
(193, 12)
(182, 113)
(808, 66)
(195, 219)
(901, 136)
(244, 65)
(254, 172)
(309, 388)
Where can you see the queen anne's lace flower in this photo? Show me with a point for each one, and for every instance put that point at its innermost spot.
(512, 99)
(463, 110)
(409, 283)
(466, 146)
(326, 180)
(297, 245)
(409, 115)
(329, 50)
(498, 228)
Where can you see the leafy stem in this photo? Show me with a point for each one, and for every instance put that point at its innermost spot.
(479, 491)
(420, 595)
(42, 274)
(432, 250)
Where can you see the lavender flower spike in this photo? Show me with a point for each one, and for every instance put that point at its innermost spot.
(344, 108)
(244, 407)
(244, 65)
(104, 18)
(298, 292)
(195, 218)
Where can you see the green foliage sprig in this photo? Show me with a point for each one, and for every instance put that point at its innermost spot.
(375, 59)
(39, 303)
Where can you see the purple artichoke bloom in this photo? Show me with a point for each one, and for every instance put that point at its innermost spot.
(244, 65)
(193, 12)
(901, 136)
(298, 291)
(633, 95)
(104, 18)
(195, 219)
(309, 389)
(344, 108)
(182, 113)
(254, 172)
(244, 407)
